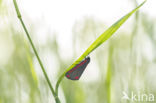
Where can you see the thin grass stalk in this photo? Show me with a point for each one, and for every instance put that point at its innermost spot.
(109, 73)
(35, 51)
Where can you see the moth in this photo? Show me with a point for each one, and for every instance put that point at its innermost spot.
(76, 72)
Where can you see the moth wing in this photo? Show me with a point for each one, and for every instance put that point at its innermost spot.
(76, 73)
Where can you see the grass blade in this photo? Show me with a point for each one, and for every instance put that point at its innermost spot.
(101, 39)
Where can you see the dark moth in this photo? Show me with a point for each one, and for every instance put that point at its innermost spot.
(76, 72)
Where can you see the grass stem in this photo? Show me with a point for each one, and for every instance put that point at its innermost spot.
(35, 51)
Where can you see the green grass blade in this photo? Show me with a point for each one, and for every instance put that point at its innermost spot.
(109, 32)
(101, 39)
(30, 62)
(109, 73)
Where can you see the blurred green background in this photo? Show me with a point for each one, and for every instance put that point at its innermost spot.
(125, 63)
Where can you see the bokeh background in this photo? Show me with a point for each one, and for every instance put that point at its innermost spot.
(61, 31)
